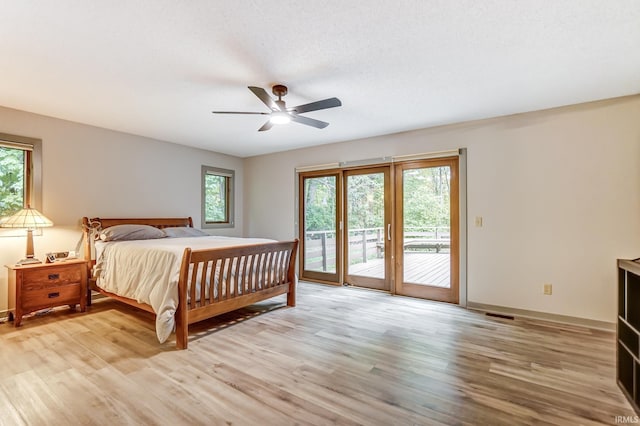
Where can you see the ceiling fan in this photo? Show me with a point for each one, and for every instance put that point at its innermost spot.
(280, 114)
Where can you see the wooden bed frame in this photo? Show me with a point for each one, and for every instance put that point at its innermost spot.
(273, 265)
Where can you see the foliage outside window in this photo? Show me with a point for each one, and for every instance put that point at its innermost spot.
(365, 209)
(428, 205)
(430, 190)
(13, 166)
(320, 204)
(217, 197)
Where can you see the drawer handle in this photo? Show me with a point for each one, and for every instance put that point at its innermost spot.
(54, 295)
(54, 276)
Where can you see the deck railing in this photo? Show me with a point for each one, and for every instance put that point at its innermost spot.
(368, 243)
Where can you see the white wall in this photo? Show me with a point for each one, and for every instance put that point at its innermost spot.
(559, 191)
(89, 171)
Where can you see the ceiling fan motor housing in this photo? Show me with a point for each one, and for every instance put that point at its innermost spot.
(279, 90)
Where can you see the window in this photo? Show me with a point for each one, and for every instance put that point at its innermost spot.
(18, 188)
(20, 175)
(13, 167)
(217, 197)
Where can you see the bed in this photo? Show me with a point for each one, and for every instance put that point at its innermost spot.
(185, 277)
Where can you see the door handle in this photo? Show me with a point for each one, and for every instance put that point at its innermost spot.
(389, 231)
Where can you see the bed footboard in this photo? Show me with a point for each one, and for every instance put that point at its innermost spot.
(215, 281)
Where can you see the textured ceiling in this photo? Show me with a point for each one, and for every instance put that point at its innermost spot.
(158, 68)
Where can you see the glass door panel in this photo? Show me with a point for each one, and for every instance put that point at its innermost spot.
(427, 249)
(320, 245)
(367, 226)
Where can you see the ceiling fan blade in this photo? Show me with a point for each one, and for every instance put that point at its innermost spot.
(239, 112)
(309, 121)
(314, 106)
(264, 97)
(266, 126)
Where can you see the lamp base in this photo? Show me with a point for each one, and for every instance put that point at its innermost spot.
(28, 261)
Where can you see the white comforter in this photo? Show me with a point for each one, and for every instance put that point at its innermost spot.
(148, 270)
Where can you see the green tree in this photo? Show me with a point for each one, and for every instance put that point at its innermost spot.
(11, 180)
(365, 201)
(216, 198)
(428, 204)
(320, 203)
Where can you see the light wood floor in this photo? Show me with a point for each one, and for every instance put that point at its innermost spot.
(343, 356)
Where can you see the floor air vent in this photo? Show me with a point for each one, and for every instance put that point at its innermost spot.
(503, 316)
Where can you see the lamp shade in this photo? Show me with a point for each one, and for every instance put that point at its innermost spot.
(28, 218)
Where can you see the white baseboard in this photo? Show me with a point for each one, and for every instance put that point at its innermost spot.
(523, 313)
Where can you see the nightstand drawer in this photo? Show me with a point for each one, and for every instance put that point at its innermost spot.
(38, 278)
(48, 296)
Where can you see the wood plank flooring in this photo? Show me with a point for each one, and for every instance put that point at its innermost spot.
(343, 356)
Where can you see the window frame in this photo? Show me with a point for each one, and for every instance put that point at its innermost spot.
(230, 197)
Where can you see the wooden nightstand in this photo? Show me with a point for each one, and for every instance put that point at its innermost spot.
(45, 285)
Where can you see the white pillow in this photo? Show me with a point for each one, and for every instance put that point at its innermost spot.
(131, 232)
(184, 231)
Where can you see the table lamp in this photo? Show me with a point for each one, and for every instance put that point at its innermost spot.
(28, 219)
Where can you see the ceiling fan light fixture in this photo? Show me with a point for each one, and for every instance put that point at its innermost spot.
(280, 114)
(280, 118)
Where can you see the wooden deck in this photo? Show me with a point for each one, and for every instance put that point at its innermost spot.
(420, 268)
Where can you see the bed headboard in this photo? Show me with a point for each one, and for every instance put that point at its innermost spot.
(97, 223)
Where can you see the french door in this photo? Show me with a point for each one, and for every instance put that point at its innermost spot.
(367, 218)
(320, 220)
(427, 229)
(389, 227)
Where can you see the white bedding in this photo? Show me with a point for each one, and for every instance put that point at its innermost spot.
(148, 270)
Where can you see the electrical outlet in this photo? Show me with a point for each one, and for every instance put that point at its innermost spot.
(548, 289)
